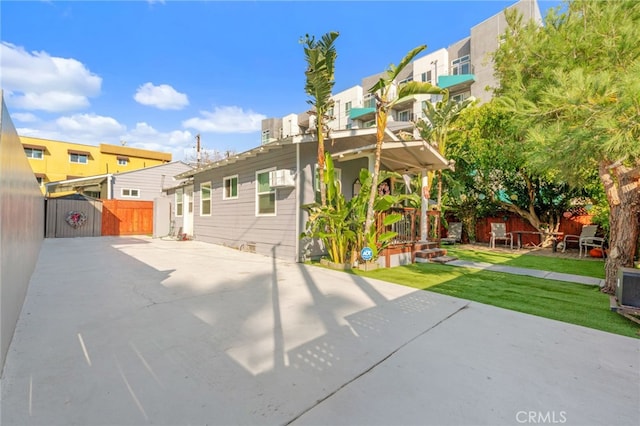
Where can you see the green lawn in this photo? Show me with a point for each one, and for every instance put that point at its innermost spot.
(524, 259)
(572, 303)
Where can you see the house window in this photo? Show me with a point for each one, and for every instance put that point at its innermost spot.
(330, 112)
(369, 123)
(205, 199)
(78, 158)
(230, 184)
(34, 153)
(40, 180)
(179, 202)
(347, 108)
(406, 80)
(316, 181)
(461, 65)
(265, 136)
(130, 193)
(123, 161)
(265, 194)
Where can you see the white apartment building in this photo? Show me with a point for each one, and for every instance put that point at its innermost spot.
(465, 68)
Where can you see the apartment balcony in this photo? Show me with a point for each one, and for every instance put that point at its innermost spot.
(364, 114)
(457, 82)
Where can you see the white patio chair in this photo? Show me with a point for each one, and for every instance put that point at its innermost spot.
(454, 233)
(499, 232)
(587, 239)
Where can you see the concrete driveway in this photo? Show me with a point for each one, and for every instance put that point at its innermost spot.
(134, 331)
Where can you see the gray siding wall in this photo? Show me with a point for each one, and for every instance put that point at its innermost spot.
(21, 227)
(484, 41)
(233, 222)
(149, 182)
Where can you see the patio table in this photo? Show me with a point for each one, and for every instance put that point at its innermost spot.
(519, 237)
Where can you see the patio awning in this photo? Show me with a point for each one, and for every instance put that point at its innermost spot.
(401, 156)
(91, 183)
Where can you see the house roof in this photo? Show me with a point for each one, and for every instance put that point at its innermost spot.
(397, 155)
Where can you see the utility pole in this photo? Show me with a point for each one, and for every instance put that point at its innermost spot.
(198, 150)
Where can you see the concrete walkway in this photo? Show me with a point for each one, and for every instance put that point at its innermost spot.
(557, 276)
(135, 331)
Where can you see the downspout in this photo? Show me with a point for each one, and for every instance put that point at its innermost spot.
(109, 187)
(298, 199)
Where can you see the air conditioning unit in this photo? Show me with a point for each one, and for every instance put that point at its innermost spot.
(283, 178)
(628, 287)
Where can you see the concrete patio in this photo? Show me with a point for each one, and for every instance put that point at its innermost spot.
(134, 331)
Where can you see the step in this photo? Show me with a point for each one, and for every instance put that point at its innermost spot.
(424, 245)
(444, 259)
(429, 254)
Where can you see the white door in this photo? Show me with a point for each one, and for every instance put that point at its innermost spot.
(187, 226)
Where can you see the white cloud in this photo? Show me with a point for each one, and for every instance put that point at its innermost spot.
(161, 97)
(39, 81)
(177, 142)
(24, 117)
(90, 126)
(227, 119)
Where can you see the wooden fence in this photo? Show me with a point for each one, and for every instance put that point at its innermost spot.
(568, 226)
(123, 217)
(67, 218)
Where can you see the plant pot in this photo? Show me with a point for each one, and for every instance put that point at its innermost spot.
(333, 265)
(368, 266)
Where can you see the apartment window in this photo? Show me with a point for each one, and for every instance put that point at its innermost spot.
(347, 108)
(179, 202)
(461, 65)
(78, 158)
(205, 199)
(130, 193)
(265, 136)
(123, 161)
(230, 184)
(265, 194)
(404, 115)
(369, 101)
(34, 153)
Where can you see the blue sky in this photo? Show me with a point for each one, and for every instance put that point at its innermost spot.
(156, 73)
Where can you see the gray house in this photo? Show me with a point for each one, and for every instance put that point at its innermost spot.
(137, 185)
(252, 201)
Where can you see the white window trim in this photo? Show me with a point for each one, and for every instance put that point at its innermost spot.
(202, 200)
(224, 187)
(35, 158)
(316, 178)
(275, 201)
(179, 192)
(79, 162)
(130, 190)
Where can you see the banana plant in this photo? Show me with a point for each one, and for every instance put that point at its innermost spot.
(320, 56)
(388, 93)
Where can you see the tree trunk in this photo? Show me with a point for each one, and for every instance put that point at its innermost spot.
(381, 127)
(323, 187)
(623, 195)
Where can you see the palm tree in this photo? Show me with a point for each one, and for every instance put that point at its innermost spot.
(320, 56)
(437, 127)
(386, 98)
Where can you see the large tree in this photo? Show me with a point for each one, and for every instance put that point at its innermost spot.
(320, 56)
(388, 92)
(573, 84)
(492, 171)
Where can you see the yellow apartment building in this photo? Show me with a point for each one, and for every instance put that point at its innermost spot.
(52, 161)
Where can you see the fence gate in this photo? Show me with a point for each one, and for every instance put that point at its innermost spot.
(73, 216)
